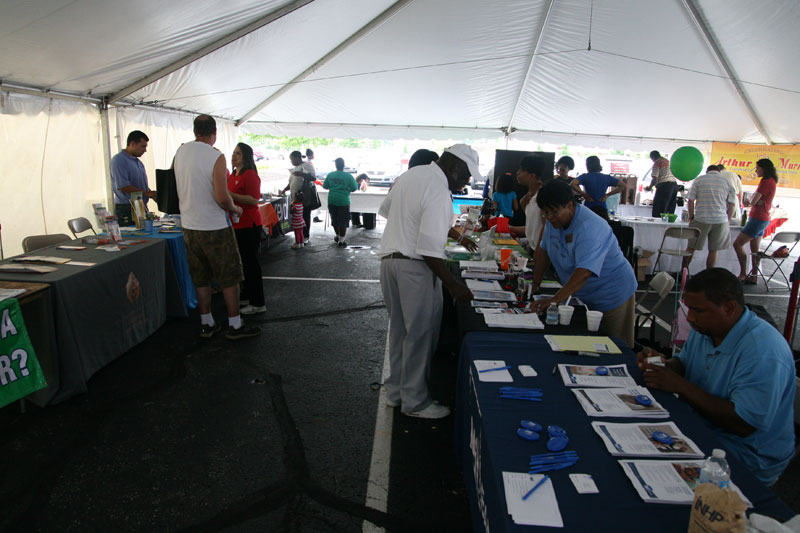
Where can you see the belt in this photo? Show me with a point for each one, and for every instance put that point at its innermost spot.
(398, 255)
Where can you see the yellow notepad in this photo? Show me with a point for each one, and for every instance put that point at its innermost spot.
(582, 343)
(506, 242)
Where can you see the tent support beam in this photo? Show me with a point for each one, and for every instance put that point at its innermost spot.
(371, 25)
(44, 93)
(694, 13)
(105, 126)
(539, 36)
(204, 51)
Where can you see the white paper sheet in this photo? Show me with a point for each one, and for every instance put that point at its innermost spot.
(540, 509)
(480, 285)
(525, 321)
(495, 376)
(478, 265)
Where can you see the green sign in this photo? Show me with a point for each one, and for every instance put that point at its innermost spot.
(20, 373)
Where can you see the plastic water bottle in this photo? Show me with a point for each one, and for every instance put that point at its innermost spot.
(552, 314)
(716, 470)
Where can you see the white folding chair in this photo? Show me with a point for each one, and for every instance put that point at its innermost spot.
(680, 234)
(785, 238)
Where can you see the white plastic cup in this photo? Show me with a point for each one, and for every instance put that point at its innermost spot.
(565, 314)
(593, 319)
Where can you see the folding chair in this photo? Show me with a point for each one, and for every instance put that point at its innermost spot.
(36, 242)
(783, 237)
(660, 285)
(77, 225)
(680, 234)
(680, 324)
(624, 235)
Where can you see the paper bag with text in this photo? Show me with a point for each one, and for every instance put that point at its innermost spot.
(715, 510)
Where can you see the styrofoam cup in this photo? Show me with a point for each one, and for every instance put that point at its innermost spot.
(593, 319)
(565, 314)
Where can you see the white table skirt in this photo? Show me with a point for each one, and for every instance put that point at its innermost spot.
(648, 233)
(360, 202)
(628, 210)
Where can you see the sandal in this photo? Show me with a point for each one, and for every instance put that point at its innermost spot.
(750, 280)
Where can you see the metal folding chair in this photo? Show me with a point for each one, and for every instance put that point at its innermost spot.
(35, 242)
(785, 238)
(78, 225)
(660, 285)
(680, 234)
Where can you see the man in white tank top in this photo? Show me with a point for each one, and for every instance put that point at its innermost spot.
(201, 178)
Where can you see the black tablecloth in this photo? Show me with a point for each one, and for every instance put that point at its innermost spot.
(487, 443)
(98, 314)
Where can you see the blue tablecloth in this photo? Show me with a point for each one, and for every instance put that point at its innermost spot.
(178, 252)
(487, 443)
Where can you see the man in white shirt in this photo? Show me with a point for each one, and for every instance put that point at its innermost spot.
(736, 182)
(204, 200)
(711, 204)
(419, 213)
(297, 177)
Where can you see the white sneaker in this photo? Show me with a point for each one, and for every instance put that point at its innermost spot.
(433, 411)
(297, 245)
(253, 310)
(305, 241)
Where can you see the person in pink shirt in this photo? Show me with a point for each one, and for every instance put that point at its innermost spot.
(757, 221)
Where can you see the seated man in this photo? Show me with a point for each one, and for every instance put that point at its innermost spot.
(737, 371)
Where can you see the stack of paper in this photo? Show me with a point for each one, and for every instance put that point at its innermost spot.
(620, 403)
(493, 371)
(581, 343)
(667, 481)
(480, 270)
(480, 285)
(497, 296)
(27, 269)
(524, 321)
(490, 266)
(588, 376)
(11, 293)
(541, 507)
(482, 303)
(636, 440)
(41, 259)
(498, 311)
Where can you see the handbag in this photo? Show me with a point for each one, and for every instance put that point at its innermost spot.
(311, 199)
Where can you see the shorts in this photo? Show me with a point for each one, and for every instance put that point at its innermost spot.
(213, 256)
(755, 228)
(718, 235)
(340, 215)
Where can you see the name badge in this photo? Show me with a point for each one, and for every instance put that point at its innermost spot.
(568, 238)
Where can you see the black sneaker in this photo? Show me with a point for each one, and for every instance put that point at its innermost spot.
(342, 244)
(336, 239)
(208, 331)
(317, 219)
(242, 332)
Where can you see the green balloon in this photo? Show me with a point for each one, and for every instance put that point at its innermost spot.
(686, 163)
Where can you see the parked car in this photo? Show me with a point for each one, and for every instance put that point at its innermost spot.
(258, 156)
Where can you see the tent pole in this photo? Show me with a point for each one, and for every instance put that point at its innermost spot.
(697, 18)
(539, 36)
(371, 25)
(106, 129)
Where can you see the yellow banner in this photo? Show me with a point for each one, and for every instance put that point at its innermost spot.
(741, 159)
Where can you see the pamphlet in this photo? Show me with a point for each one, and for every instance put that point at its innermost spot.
(11, 293)
(667, 481)
(523, 321)
(488, 374)
(480, 274)
(65, 247)
(636, 440)
(27, 269)
(480, 285)
(497, 296)
(479, 303)
(620, 403)
(498, 311)
(488, 266)
(582, 343)
(541, 507)
(596, 376)
(41, 259)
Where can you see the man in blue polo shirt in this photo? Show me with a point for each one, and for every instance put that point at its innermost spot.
(586, 255)
(737, 371)
(128, 175)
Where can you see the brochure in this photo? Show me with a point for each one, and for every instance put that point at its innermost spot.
(620, 403)
(581, 343)
(41, 259)
(480, 285)
(480, 274)
(636, 440)
(596, 376)
(487, 266)
(477, 303)
(27, 269)
(497, 296)
(498, 311)
(667, 481)
(541, 506)
(524, 321)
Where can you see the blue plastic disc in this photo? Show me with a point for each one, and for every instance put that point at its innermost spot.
(556, 444)
(555, 431)
(643, 400)
(664, 438)
(601, 371)
(527, 434)
(533, 426)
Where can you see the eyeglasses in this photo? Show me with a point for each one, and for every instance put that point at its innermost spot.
(552, 213)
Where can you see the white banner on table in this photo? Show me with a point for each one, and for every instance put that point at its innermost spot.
(636, 440)
(587, 376)
(619, 403)
(667, 481)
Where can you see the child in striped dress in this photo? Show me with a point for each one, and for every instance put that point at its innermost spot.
(298, 223)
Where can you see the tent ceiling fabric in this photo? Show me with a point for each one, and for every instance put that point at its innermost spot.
(435, 65)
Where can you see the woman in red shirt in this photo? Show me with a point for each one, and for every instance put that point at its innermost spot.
(245, 188)
(757, 220)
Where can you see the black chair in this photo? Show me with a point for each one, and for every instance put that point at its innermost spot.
(624, 235)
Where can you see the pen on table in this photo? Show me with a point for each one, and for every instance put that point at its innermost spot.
(554, 369)
(493, 369)
(527, 494)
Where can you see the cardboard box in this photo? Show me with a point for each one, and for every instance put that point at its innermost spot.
(642, 263)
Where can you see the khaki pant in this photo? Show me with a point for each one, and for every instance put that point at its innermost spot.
(619, 322)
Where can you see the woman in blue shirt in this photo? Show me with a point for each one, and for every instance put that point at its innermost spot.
(586, 255)
(595, 185)
(504, 197)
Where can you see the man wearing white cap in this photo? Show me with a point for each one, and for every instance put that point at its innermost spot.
(419, 212)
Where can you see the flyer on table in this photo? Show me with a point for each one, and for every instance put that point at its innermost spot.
(596, 376)
(637, 440)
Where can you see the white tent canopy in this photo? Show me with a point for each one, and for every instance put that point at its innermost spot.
(623, 73)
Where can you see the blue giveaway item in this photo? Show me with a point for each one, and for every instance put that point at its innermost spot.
(527, 434)
(558, 443)
(556, 431)
(601, 371)
(533, 426)
(643, 400)
(664, 438)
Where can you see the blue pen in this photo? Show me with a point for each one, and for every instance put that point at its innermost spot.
(494, 369)
(528, 494)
